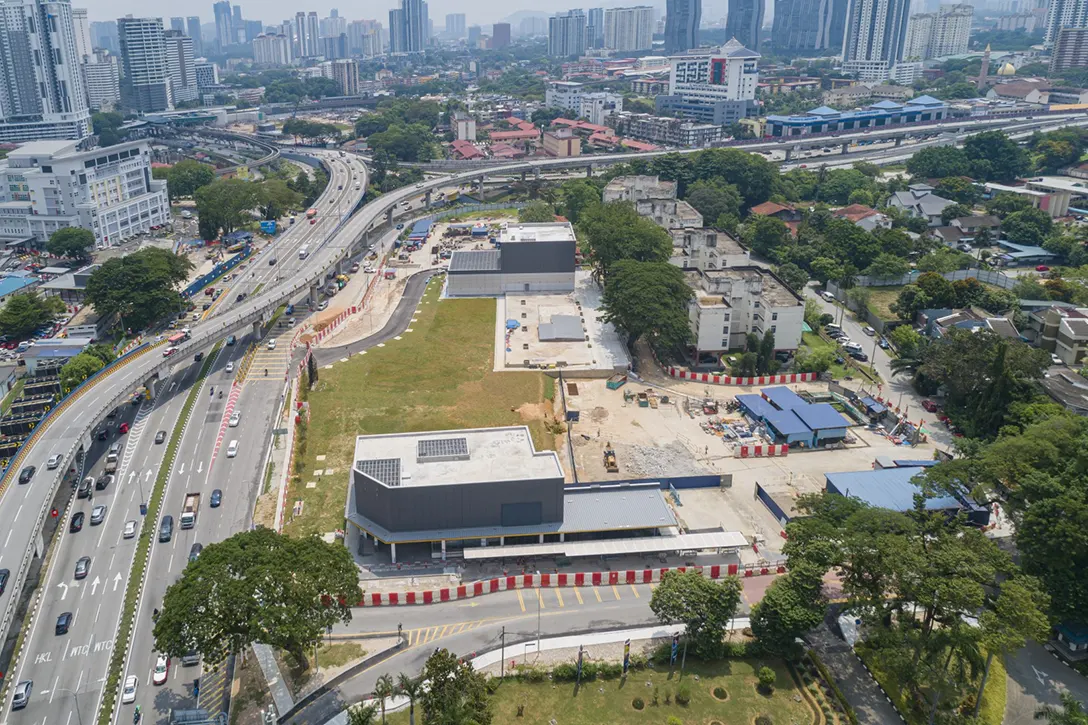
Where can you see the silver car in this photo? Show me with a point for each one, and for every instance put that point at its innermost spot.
(98, 514)
(129, 531)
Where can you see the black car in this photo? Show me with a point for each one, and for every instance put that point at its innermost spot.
(194, 552)
(166, 529)
(160, 436)
(83, 566)
(217, 498)
(64, 621)
(26, 474)
(860, 356)
(4, 574)
(77, 522)
(272, 262)
(198, 357)
(241, 296)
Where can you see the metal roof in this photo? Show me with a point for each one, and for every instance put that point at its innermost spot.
(874, 407)
(821, 416)
(616, 547)
(755, 404)
(486, 260)
(561, 327)
(783, 398)
(786, 423)
(887, 488)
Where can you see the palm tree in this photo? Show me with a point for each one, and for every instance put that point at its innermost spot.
(383, 688)
(412, 687)
(362, 714)
(1070, 713)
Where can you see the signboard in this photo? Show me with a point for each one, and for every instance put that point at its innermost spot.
(626, 656)
(268, 227)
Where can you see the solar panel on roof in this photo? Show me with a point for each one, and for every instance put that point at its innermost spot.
(442, 449)
(382, 470)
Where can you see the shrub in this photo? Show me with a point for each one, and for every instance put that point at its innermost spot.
(637, 703)
(720, 693)
(534, 675)
(566, 672)
(764, 720)
(835, 691)
(673, 720)
(683, 694)
(656, 696)
(609, 670)
(766, 679)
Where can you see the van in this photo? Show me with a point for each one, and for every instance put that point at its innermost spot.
(190, 658)
(166, 529)
(828, 296)
(852, 347)
(232, 449)
(832, 328)
(115, 451)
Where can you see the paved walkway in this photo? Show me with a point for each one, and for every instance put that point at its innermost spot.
(281, 694)
(859, 688)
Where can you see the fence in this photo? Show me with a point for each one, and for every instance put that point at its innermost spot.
(987, 276)
(717, 379)
(217, 270)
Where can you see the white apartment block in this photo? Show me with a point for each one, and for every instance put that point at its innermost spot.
(665, 130)
(103, 81)
(628, 29)
(581, 101)
(730, 303)
(272, 50)
(712, 85)
(939, 34)
(179, 59)
(707, 249)
(654, 199)
(207, 74)
(48, 185)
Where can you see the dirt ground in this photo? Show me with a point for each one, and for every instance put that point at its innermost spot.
(251, 696)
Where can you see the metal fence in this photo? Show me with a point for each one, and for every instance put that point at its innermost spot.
(988, 276)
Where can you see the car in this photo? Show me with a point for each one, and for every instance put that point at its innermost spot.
(98, 514)
(4, 574)
(26, 474)
(859, 356)
(53, 462)
(241, 296)
(217, 498)
(160, 437)
(83, 566)
(313, 221)
(103, 482)
(272, 262)
(199, 357)
(129, 532)
(195, 550)
(291, 321)
(162, 670)
(230, 366)
(235, 419)
(322, 305)
(1042, 268)
(76, 524)
(883, 344)
(400, 226)
(271, 345)
(166, 529)
(128, 692)
(1056, 360)
(929, 406)
(64, 621)
(122, 429)
(868, 331)
(171, 350)
(231, 339)
(22, 694)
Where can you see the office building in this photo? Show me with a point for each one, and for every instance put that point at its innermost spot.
(1064, 14)
(408, 27)
(682, 18)
(713, 86)
(876, 38)
(744, 22)
(223, 34)
(809, 24)
(253, 28)
(271, 50)
(49, 185)
(455, 25)
(237, 25)
(178, 24)
(335, 47)
(313, 33)
(192, 24)
(365, 38)
(1070, 50)
(346, 74)
(179, 54)
(145, 74)
(500, 35)
(581, 101)
(939, 34)
(104, 35)
(82, 28)
(629, 29)
(40, 100)
(475, 32)
(595, 28)
(102, 78)
(207, 75)
(567, 34)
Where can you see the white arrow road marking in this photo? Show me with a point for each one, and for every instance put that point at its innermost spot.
(94, 585)
(116, 581)
(147, 476)
(65, 592)
(200, 468)
(182, 468)
(131, 475)
(1039, 675)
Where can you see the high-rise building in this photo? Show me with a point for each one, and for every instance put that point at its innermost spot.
(876, 38)
(364, 38)
(207, 74)
(271, 50)
(103, 81)
(179, 57)
(474, 33)
(346, 74)
(302, 45)
(455, 25)
(712, 85)
(533, 26)
(744, 22)
(237, 25)
(145, 77)
(809, 24)
(82, 28)
(40, 99)
(335, 47)
(104, 35)
(627, 29)
(223, 34)
(682, 19)
(595, 28)
(935, 35)
(253, 28)
(177, 24)
(408, 27)
(1064, 14)
(567, 34)
(192, 25)
(500, 35)
(1070, 50)
(313, 33)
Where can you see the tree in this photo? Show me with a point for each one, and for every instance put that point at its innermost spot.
(26, 312)
(72, 242)
(275, 198)
(839, 184)
(1054, 155)
(224, 204)
(995, 157)
(536, 212)
(107, 126)
(765, 234)
(78, 369)
(909, 302)
(793, 276)
(577, 195)
(938, 162)
(766, 677)
(1016, 616)
(1005, 204)
(140, 287)
(765, 357)
(257, 586)
(792, 605)
(412, 687)
(954, 211)
(362, 714)
(456, 692)
(1030, 227)
(703, 605)
(104, 353)
(714, 197)
(648, 299)
(1053, 539)
(859, 298)
(944, 259)
(383, 688)
(905, 339)
(814, 361)
(959, 189)
(1072, 712)
(887, 266)
(615, 231)
(186, 176)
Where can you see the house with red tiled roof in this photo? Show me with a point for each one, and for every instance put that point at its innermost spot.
(863, 216)
(464, 150)
(529, 135)
(785, 212)
(505, 151)
(638, 145)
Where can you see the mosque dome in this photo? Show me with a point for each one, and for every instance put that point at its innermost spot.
(1006, 70)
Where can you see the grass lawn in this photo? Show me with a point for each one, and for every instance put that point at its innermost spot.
(328, 655)
(814, 342)
(880, 300)
(493, 214)
(15, 392)
(993, 697)
(437, 377)
(590, 706)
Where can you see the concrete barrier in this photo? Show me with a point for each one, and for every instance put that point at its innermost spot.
(716, 379)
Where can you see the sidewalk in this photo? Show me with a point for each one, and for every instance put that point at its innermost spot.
(857, 685)
(281, 694)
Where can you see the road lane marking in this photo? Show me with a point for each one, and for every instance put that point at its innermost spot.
(615, 591)
(597, 593)
(521, 600)
(54, 690)
(635, 591)
(578, 595)
(540, 598)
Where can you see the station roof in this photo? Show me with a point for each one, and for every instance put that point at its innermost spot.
(821, 416)
(887, 488)
(783, 398)
(616, 547)
(756, 404)
(786, 423)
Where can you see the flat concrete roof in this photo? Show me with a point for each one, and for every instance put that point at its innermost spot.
(473, 455)
(537, 232)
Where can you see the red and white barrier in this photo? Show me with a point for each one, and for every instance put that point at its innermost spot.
(553, 581)
(235, 391)
(757, 450)
(679, 374)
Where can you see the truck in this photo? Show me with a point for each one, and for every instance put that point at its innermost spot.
(304, 251)
(111, 467)
(189, 509)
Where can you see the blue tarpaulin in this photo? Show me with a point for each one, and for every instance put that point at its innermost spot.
(873, 406)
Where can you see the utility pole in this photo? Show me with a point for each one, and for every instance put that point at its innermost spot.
(502, 650)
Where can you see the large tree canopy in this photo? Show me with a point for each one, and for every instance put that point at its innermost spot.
(140, 287)
(72, 242)
(24, 313)
(185, 177)
(648, 299)
(703, 605)
(615, 231)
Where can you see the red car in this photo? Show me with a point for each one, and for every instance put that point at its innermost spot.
(1042, 268)
(123, 428)
(930, 406)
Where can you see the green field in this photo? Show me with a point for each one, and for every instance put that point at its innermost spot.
(814, 342)
(437, 377)
(610, 701)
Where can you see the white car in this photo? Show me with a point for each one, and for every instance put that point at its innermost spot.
(235, 419)
(130, 530)
(128, 694)
(1056, 360)
(271, 345)
(162, 670)
(828, 296)
(53, 462)
(369, 269)
(230, 367)
(868, 331)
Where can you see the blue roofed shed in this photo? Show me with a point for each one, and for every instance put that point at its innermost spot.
(788, 426)
(894, 489)
(783, 398)
(826, 423)
(873, 407)
(755, 406)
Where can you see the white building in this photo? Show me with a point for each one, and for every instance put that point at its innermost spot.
(272, 50)
(207, 74)
(582, 101)
(530, 258)
(145, 77)
(713, 86)
(876, 38)
(48, 185)
(567, 34)
(1064, 14)
(103, 81)
(466, 126)
(179, 55)
(730, 303)
(40, 100)
(707, 249)
(629, 28)
(82, 28)
(654, 199)
(939, 34)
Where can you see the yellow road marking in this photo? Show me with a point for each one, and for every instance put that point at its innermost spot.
(540, 598)
(559, 596)
(521, 600)
(597, 593)
(443, 633)
(460, 628)
(635, 591)
(615, 591)
(431, 632)
(578, 595)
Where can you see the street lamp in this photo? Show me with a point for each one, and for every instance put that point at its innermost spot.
(79, 718)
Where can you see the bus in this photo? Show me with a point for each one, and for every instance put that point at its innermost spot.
(311, 213)
(304, 251)
(177, 338)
